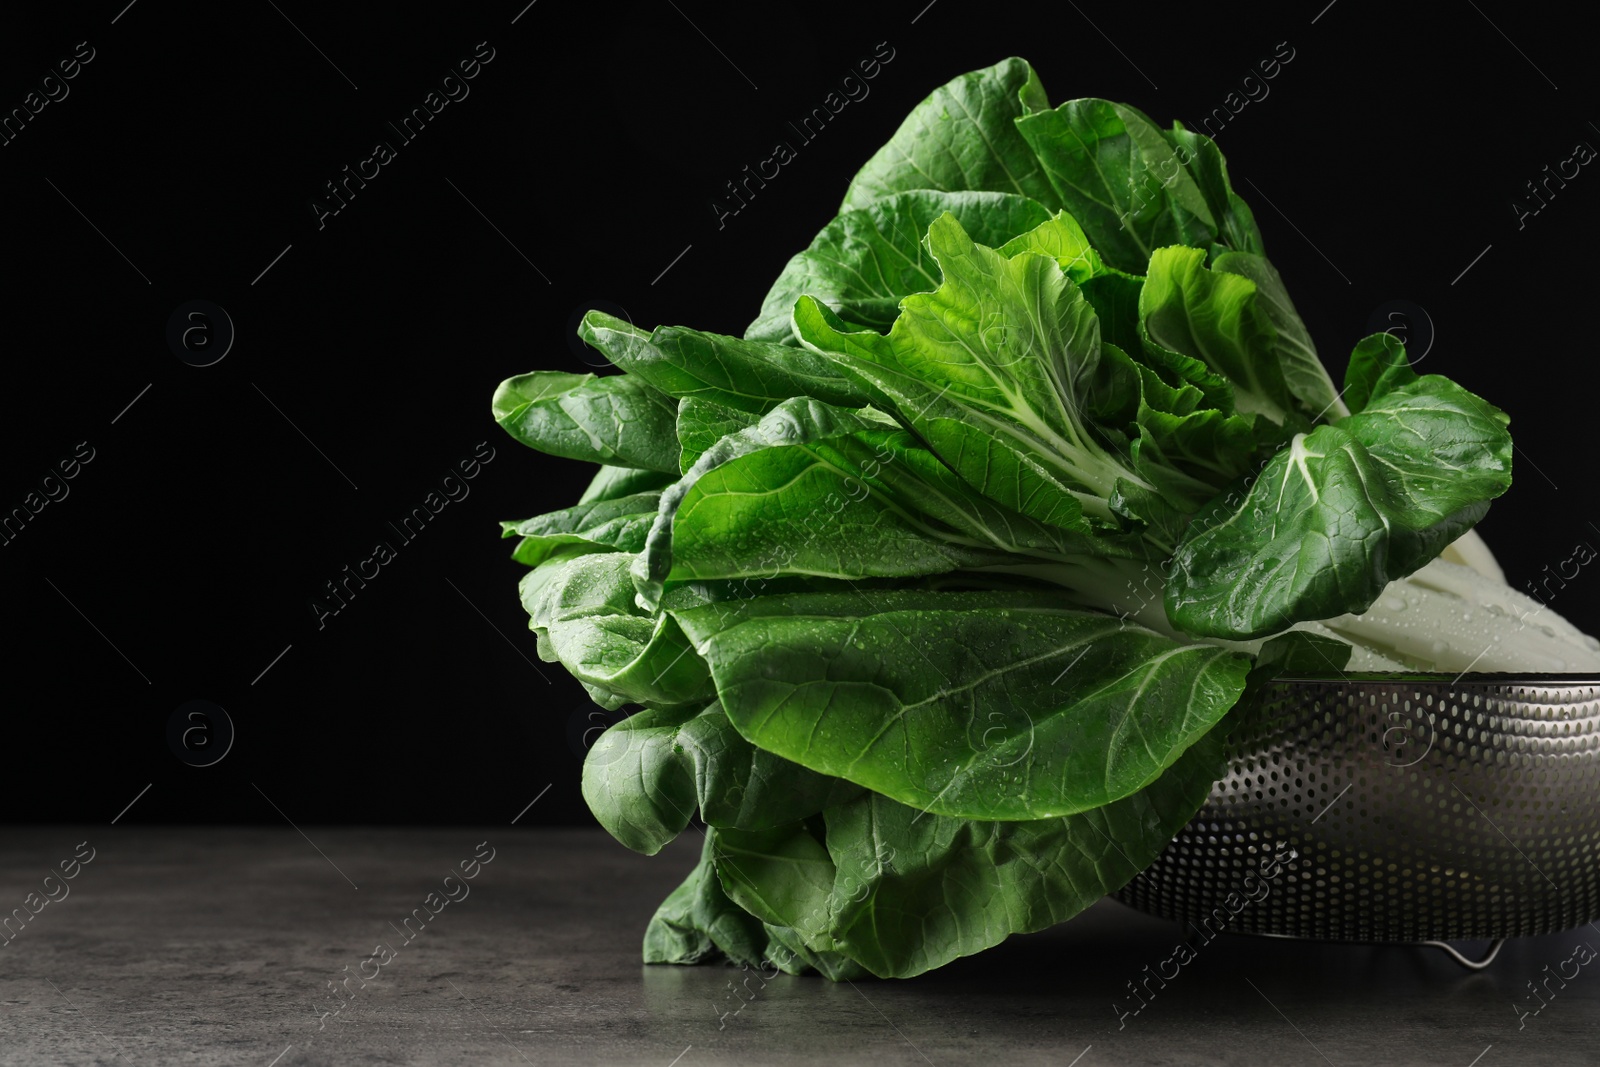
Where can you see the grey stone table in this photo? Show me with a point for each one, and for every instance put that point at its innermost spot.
(218, 946)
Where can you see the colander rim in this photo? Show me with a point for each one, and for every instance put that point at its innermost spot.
(1463, 679)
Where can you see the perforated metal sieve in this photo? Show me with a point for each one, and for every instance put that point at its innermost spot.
(1416, 808)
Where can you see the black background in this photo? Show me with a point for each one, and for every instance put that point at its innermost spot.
(188, 552)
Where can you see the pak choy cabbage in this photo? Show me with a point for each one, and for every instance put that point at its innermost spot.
(930, 594)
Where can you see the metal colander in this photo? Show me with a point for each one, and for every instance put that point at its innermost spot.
(1399, 808)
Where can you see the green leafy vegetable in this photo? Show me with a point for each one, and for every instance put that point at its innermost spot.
(698, 920)
(746, 375)
(992, 371)
(977, 705)
(865, 261)
(592, 526)
(620, 420)
(582, 609)
(931, 594)
(1188, 309)
(1343, 511)
(1120, 178)
(963, 137)
(901, 892)
(645, 777)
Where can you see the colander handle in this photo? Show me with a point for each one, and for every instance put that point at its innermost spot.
(1472, 965)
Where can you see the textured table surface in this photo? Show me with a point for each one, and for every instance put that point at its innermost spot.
(217, 946)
